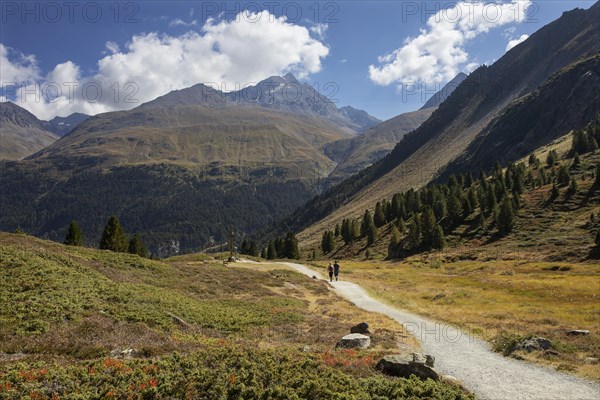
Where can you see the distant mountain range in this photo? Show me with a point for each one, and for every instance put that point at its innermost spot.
(21, 133)
(541, 88)
(61, 126)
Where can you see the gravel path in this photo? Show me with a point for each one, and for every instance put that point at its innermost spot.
(489, 375)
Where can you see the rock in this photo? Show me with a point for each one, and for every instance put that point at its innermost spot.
(578, 332)
(450, 380)
(534, 344)
(406, 365)
(362, 328)
(127, 353)
(429, 360)
(354, 341)
(314, 277)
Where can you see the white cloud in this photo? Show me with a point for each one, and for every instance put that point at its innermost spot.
(180, 22)
(16, 67)
(112, 47)
(320, 30)
(224, 52)
(344, 60)
(515, 42)
(438, 53)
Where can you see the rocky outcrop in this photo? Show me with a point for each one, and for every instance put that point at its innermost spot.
(534, 344)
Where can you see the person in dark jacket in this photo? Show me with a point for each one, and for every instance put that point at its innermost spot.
(330, 270)
(336, 270)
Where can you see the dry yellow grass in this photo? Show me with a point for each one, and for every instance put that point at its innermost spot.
(498, 299)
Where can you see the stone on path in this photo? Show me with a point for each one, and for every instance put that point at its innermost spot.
(404, 366)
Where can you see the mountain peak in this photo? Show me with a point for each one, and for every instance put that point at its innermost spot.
(446, 91)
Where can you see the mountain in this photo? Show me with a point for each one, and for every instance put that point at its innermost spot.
(486, 94)
(446, 91)
(21, 133)
(180, 170)
(279, 93)
(61, 126)
(359, 152)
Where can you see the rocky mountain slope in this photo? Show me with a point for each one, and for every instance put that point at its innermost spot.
(61, 126)
(21, 133)
(461, 119)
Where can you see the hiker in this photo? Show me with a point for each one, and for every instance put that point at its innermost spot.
(330, 270)
(336, 270)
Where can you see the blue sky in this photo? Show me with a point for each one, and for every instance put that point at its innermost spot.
(131, 52)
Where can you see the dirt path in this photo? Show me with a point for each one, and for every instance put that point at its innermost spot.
(489, 375)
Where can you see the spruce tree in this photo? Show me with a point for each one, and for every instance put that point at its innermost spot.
(379, 217)
(253, 249)
(438, 239)
(554, 193)
(563, 176)
(506, 216)
(372, 234)
(263, 253)
(74, 236)
(532, 160)
(597, 181)
(414, 235)
(428, 224)
(552, 158)
(113, 237)
(337, 231)
(481, 220)
(367, 221)
(393, 247)
(573, 187)
(291, 246)
(455, 210)
(136, 246)
(271, 253)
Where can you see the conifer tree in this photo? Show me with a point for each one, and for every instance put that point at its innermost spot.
(263, 253)
(113, 237)
(532, 160)
(337, 231)
(379, 217)
(428, 224)
(74, 236)
(271, 252)
(455, 209)
(367, 221)
(554, 193)
(136, 246)
(291, 246)
(253, 249)
(414, 235)
(394, 243)
(481, 220)
(597, 181)
(438, 240)
(372, 234)
(573, 187)
(506, 216)
(563, 175)
(328, 242)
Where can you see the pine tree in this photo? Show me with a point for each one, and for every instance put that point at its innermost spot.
(576, 160)
(455, 210)
(554, 193)
(291, 246)
(597, 181)
(372, 234)
(271, 253)
(414, 235)
(481, 220)
(563, 176)
(552, 158)
(490, 200)
(337, 231)
(367, 221)
(428, 224)
(469, 180)
(379, 217)
(597, 239)
(394, 245)
(328, 242)
(506, 216)
(113, 237)
(532, 160)
(253, 249)
(438, 240)
(573, 187)
(244, 247)
(74, 236)
(263, 253)
(136, 246)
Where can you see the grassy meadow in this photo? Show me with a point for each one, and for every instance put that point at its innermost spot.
(79, 323)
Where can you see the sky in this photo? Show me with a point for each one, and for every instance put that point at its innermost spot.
(386, 57)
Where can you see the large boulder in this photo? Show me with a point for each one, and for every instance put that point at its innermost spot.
(404, 366)
(534, 344)
(362, 328)
(354, 341)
